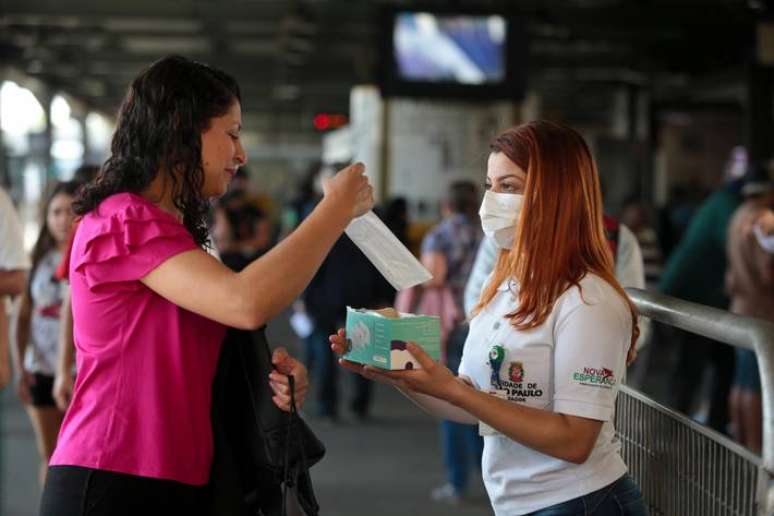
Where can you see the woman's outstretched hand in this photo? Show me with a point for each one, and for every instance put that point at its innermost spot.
(350, 186)
(278, 379)
(433, 379)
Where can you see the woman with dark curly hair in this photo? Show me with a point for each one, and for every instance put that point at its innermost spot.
(150, 305)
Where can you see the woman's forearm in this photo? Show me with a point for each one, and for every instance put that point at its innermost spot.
(553, 434)
(66, 342)
(287, 269)
(22, 333)
(439, 408)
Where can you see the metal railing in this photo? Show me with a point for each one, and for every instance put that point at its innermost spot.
(683, 468)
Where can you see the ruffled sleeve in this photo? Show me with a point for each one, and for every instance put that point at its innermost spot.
(124, 240)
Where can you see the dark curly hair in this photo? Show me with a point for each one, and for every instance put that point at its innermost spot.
(159, 128)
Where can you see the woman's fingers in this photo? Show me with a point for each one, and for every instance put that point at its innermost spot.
(282, 394)
(339, 342)
(282, 402)
(351, 366)
(279, 388)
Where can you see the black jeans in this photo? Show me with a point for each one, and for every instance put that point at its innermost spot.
(695, 353)
(76, 491)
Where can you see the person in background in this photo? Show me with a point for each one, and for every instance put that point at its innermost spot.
(675, 216)
(305, 200)
(85, 174)
(37, 328)
(242, 192)
(550, 340)
(396, 218)
(14, 264)
(345, 278)
(448, 251)
(240, 230)
(634, 215)
(696, 272)
(750, 285)
(64, 379)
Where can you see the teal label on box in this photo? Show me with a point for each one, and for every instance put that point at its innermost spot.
(381, 342)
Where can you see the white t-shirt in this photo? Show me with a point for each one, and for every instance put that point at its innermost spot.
(12, 255)
(571, 365)
(47, 295)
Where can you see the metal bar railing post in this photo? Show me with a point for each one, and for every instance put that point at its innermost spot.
(736, 330)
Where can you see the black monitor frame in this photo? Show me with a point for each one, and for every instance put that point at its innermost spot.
(512, 87)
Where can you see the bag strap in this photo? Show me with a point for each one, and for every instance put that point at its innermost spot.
(287, 475)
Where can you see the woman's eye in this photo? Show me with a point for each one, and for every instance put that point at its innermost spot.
(487, 186)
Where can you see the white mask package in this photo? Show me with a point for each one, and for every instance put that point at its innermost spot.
(390, 257)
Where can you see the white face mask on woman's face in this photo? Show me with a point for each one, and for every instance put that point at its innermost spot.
(765, 241)
(499, 215)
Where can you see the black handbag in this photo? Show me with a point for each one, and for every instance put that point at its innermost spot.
(260, 451)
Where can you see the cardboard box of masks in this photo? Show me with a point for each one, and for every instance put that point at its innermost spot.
(378, 337)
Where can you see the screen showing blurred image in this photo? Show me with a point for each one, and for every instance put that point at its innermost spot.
(450, 48)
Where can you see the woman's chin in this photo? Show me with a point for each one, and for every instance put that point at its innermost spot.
(214, 191)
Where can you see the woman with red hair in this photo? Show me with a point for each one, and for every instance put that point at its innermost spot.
(550, 339)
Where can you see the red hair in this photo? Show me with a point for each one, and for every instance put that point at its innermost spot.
(560, 234)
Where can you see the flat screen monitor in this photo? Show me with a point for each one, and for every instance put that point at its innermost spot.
(441, 53)
(459, 49)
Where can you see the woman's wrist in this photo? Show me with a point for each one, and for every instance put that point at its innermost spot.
(457, 392)
(336, 210)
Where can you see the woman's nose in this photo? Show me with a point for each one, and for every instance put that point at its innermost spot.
(241, 156)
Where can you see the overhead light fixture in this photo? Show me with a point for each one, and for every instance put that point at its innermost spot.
(135, 24)
(160, 44)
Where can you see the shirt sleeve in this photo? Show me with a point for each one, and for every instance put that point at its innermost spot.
(12, 255)
(463, 369)
(589, 360)
(435, 242)
(630, 272)
(629, 267)
(126, 245)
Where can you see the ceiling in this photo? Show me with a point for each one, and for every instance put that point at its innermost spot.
(297, 58)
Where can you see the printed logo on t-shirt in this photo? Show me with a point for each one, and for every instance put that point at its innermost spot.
(516, 387)
(595, 377)
(516, 372)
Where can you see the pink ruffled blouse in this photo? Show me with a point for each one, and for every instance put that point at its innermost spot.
(141, 403)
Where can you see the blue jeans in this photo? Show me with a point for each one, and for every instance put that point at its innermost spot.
(462, 446)
(621, 498)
